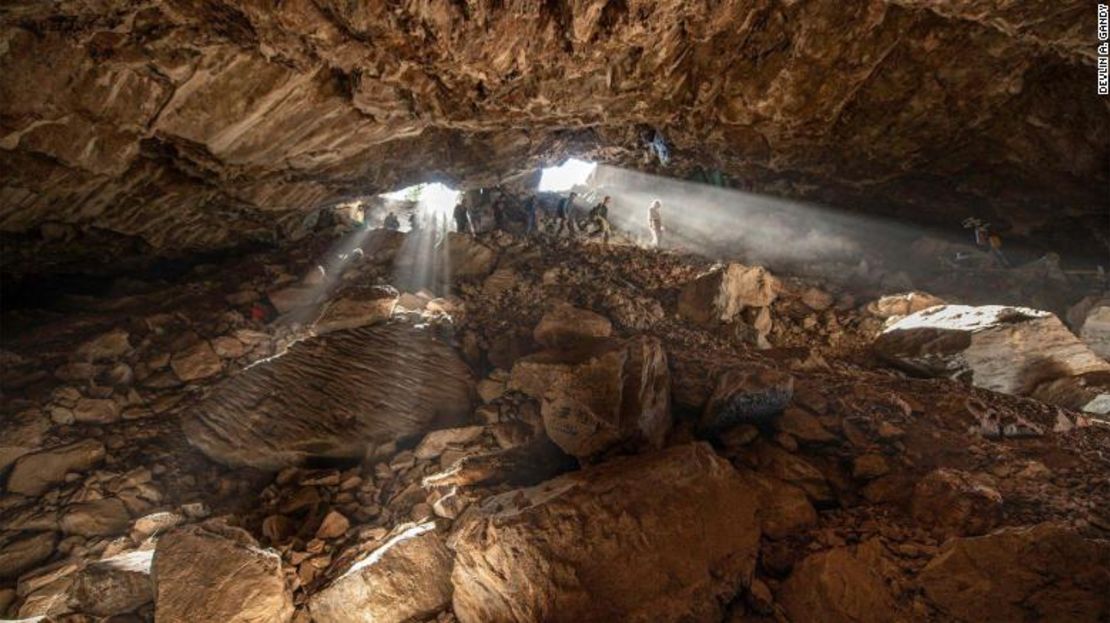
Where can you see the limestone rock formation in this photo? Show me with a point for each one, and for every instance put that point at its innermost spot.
(666, 536)
(329, 396)
(1005, 349)
(269, 111)
(722, 294)
(1046, 572)
(407, 578)
(600, 394)
(213, 573)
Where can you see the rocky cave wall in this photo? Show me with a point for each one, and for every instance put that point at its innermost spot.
(191, 125)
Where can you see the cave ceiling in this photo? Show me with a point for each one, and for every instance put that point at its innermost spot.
(198, 124)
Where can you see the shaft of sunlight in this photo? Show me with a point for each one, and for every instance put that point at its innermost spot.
(566, 176)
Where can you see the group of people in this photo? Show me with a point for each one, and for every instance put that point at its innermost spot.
(597, 223)
(598, 218)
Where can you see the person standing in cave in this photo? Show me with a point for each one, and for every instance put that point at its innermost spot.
(599, 216)
(498, 208)
(530, 215)
(391, 222)
(463, 222)
(655, 222)
(564, 213)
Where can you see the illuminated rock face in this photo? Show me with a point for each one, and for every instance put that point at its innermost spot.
(408, 578)
(1014, 350)
(213, 573)
(199, 126)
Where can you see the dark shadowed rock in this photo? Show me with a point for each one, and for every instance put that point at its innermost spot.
(329, 396)
(747, 395)
(665, 536)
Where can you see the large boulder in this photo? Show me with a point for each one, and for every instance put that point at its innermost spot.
(34, 473)
(566, 326)
(1013, 350)
(358, 307)
(665, 536)
(836, 586)
(720, 295)
(407, 578)
(1045, 572)
(329, 396)
(214, 573)
(600, 394)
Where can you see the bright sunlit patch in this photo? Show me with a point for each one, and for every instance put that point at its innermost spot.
(566, 175)
(432, 198)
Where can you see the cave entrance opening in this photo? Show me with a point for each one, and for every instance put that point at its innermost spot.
(573, 172)
(425, 206)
